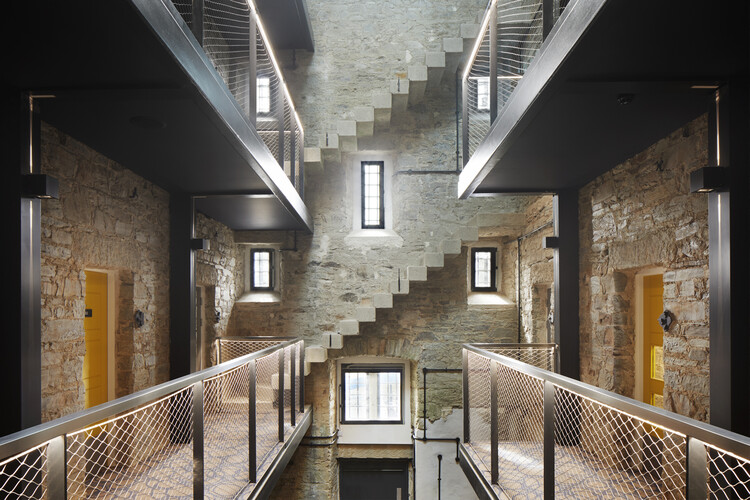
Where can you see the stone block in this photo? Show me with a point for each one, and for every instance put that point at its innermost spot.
(470, 30)
(315, 354)
(333, 340)
(450, 247)
(313, 158)
(365, 118)
(433, 259)
(349, 327)
(417, 83)
(382, 300)
(400, 287)
(435, 62)
(365, 314)
(467, 233)
(416, 273)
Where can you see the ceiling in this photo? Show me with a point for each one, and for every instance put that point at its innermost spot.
(129, 80)
(564, 124)
(287, 23)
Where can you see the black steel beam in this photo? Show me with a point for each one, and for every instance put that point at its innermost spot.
(566, 321)
(183, 340)
(728, 219)
(21, 347)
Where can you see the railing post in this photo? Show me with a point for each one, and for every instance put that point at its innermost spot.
(197, 26)
(252, 72)
(293, 384)
(198, 440)
(493, 63)
(465, 119)
(302, 376)
(280, 107)
(697, 470)
(494, 460)
(218, 351)
(549, 441)
(57, 488)
(550, 8)
(292, 152)
(281, 395)
(301, 187)
(465, 366)
(252, 425)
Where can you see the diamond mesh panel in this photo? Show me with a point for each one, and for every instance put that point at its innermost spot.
(185, 8)
(601, 452)
(519, 37)
(479, 406)
(226, 407)
(520, 433)
(477, 87)
(146, 453)
(25, 475)
(226, 40)
(231, 349)
(728, 475)
(266, 405)
(541, 357)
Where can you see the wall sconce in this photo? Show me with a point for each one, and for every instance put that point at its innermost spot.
(665, 320)
(200, 244)
(708, 179)
(40, 186)
(139, 318)
(551, 242)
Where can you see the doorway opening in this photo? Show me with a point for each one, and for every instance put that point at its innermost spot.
(373, 479)
(649, 345)
(99, 326)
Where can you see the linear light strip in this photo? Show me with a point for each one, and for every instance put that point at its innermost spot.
(480, 37)
(259, 23)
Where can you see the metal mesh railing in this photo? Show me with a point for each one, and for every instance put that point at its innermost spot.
(196, 436)
(519, 37)
(146, 452)
(477, 89)
(232, 36)
(228, 348)
(728, 474)
(571, 440)
(542, 356)
(25, 475)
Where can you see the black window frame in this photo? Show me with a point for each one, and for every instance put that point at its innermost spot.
(493, 269)
(272, 269)
(370, 368)
(381, 224)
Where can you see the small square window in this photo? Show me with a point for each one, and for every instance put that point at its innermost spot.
(261, 269)
(263, 96)
(483, 94)
(371, 394)
(484, 269)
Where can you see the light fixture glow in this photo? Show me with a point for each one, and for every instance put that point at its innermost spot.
(480, 37)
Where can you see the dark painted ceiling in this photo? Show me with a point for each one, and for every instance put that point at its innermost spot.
(575, 129)
(159, 111)
(287, 23)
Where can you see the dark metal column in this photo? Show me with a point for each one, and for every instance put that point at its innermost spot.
(198, 467)
(465, 119)
(728, 219)
(565, 207)
(549, 441)
(697, 481)
(292, 385)
(197, 24)
(281, 394)
(465, 377)
(21, 346)
(494, 457)
(493, 64)
(252, 425)
(280, 110)
(182, 332)
(252, 70)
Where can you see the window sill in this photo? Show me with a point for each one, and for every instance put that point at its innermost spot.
(261, 297)
(487, 299)
(370, 237)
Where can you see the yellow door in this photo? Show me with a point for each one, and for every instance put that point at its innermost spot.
(95, 327)
(653, 341)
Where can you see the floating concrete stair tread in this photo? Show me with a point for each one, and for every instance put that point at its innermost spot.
(382, 102)
(416, 273)
(399, 95)
(417, 82)
(454, 51)
(400, 288)
(467, 233)
(450, 246)
(382, 300)
(365, 314)
(315, 354)
(313, 157)
(470, 30)
(333, 340)
(329, 141)
(347, 128)
(435, 62)
(365, 118)
(434, 259)
(349, 327)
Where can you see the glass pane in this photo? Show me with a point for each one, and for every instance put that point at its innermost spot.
(371, 194)
(657, 362)
(356, 397)
(261, 269)
(483, 269)
(264, 95)
(657, 400)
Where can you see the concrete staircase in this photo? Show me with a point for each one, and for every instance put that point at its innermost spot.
(408, 88)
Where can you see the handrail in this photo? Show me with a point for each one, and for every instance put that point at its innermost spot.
(219, 379)
(555, 412)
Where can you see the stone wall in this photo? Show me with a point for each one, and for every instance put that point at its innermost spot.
(107, 218)
(637, 217)
(220, 273)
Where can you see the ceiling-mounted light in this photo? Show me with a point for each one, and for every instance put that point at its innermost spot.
(708, 179)
(40, 186)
